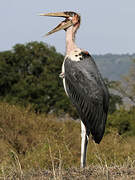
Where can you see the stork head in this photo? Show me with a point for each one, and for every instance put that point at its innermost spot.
(71, 19)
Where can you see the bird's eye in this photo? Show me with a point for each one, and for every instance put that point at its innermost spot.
(73, 14)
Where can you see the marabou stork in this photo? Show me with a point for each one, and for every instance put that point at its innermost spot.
(83, 83)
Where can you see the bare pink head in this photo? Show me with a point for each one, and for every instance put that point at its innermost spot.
(70, 25)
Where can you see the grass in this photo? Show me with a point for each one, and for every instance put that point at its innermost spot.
(36, 146)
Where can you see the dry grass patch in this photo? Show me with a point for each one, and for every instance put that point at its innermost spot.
(33, 145)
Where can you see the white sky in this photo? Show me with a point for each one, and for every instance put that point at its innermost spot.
(108, 26)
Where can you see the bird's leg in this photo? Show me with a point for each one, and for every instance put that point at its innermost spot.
(84, 143)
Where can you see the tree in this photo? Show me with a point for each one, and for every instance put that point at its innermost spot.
(30, 75)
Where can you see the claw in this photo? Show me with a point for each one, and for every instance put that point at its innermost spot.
(62, 75)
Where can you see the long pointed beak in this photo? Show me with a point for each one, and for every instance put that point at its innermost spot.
(63, 25)
(57, 14)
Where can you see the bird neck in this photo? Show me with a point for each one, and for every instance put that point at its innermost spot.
(70, 40)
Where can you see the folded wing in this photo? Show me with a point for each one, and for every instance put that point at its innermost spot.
(87, 91)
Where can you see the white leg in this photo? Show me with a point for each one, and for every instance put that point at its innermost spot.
(84, 143)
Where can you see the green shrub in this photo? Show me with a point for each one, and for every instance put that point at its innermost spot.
(123, 121)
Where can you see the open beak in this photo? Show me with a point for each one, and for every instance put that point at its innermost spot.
(63, 25)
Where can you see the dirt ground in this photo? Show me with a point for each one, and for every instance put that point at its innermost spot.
(89, 173)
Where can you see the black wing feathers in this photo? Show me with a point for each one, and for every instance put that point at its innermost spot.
(88, 93)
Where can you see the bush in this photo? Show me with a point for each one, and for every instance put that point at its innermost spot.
(123, 121)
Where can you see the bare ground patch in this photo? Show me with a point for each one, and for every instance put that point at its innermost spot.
(89, 173)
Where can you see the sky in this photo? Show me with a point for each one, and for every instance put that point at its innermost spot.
(107, 26)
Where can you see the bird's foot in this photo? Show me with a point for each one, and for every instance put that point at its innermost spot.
(62, 75)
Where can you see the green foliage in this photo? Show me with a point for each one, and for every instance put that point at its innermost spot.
(123, 121)
(114, 99)
(30, 75)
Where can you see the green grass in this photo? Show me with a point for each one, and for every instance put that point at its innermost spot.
(32, 142)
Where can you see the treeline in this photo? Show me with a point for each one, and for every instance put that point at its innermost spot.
(29, 76)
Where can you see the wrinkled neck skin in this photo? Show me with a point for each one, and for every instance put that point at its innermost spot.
(70, 40)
